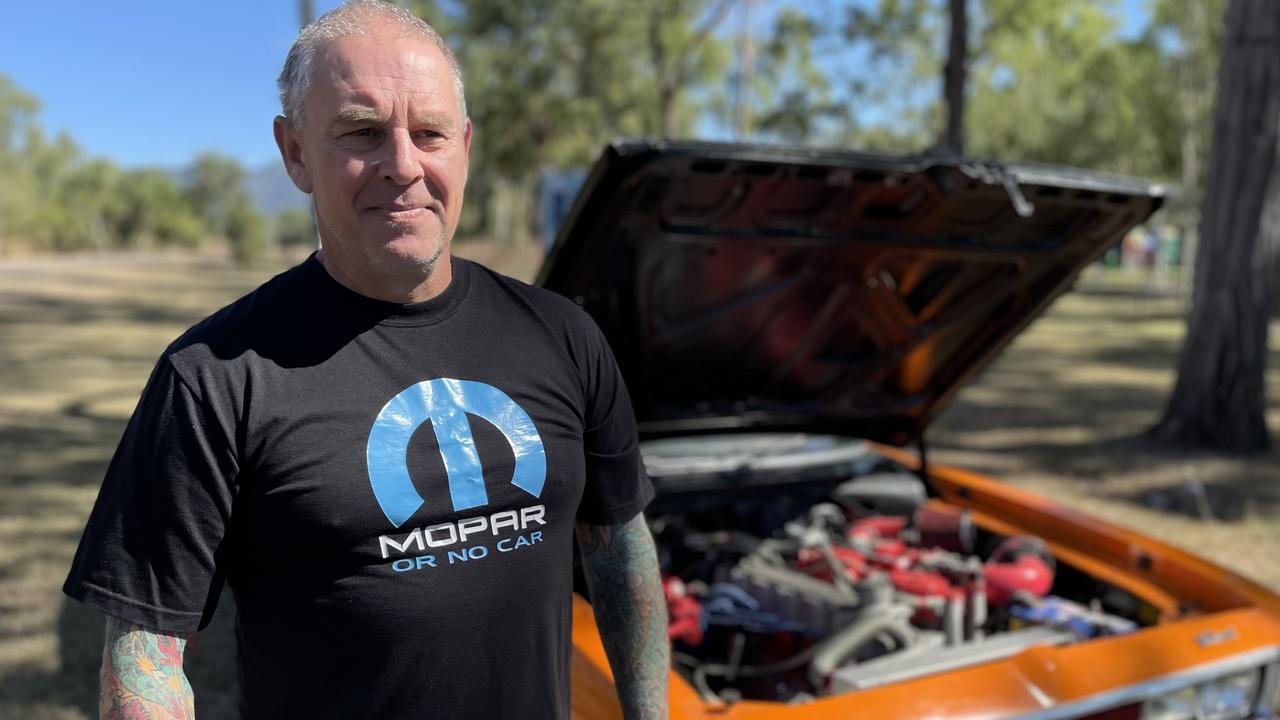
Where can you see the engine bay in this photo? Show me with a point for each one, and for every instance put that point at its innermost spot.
(834, 572)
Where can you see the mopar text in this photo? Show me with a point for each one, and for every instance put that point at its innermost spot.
(450, 533)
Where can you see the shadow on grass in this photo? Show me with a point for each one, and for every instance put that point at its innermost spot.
(210, 664)
(1074, 399)
(66, 313)
(55, 445)
(66, 449)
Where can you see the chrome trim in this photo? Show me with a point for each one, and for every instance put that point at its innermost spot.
(1145, 690)
(1267, 692)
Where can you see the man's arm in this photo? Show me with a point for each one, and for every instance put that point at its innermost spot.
(142, 675)
(621, 566)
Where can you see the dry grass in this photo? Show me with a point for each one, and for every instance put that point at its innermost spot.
(1063, 412)
(1060, 413)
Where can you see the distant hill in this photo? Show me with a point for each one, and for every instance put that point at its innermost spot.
(272, 190)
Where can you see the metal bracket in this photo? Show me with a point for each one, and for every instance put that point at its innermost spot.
(993, 173)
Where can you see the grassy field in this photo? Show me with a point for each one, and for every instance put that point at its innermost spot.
(1061, 412)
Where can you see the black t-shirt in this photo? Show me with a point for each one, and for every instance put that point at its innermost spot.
(389, 491)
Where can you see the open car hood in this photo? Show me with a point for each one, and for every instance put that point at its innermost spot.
(767, 288)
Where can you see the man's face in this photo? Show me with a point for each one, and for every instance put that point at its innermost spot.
(383, 149)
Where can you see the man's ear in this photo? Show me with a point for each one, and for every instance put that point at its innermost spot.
(289, 142)
(466, 149)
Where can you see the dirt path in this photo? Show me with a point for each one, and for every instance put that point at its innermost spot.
(1059, 413)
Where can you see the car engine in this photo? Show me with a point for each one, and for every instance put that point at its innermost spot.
(791, 591)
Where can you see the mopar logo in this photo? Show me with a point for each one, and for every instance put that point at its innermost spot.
(445, 403)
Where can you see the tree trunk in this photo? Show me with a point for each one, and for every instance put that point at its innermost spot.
(511, 208)
(1219, 400)
(667, 99)
(1193, 89)
(954, 77)
(746, 75)
(671, 65)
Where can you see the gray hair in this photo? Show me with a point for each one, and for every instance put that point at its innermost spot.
(355, 17)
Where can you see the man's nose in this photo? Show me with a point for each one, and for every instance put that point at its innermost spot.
(399, 164)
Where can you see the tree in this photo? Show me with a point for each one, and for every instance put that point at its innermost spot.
(52, 197)
(1196, 27)
(91, 205)
(1044, 80)
(294, 228)
(676, 50)
(155, 212)
(213, 187)
(793, 92)
(1219, 400)
(899, 43)
(246, 231)
(17, 112)
(550, 81)
(1053, 82)
(953, 75)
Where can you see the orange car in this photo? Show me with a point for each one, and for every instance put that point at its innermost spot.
(787, 321)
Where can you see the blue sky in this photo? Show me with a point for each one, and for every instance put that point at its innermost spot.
(154, 83)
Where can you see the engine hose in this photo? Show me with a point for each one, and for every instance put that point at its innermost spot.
(752, 671)
(833, 651)
(698, 675)
(826, 656)
(701, 670)
(889, 640)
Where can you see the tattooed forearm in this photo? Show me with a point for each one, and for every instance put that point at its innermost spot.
(142, 675)
(626, 595)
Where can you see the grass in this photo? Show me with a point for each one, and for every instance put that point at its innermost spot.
(1061, 413)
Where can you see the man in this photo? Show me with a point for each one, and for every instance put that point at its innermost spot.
(380, 569)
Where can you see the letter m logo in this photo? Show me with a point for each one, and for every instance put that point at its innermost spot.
(445, 403)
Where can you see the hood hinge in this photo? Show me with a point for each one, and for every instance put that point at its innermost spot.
(996, 174)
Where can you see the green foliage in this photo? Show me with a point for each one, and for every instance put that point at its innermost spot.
(793, 93)
(550, 81)
(1194, 30)
(1053, 83)
(214, 186)
(295, 228)
(1049, 80)
(53, 197)
(17, 116)
(247, 231)
(156, 212)
(90, 207)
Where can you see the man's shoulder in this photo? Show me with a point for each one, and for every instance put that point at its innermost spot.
(536, 296)
(552, 307)
(564, 323)
(247, 327)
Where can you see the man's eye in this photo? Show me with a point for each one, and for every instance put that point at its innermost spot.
(362, 133)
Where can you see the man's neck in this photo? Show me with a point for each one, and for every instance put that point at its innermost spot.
(399, 290)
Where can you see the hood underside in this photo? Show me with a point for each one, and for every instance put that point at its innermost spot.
(766, 288)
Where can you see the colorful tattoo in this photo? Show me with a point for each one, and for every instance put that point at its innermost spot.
(142, 676)
(621, 566)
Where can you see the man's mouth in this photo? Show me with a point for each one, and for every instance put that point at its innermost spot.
(407, 213)
(401, 213)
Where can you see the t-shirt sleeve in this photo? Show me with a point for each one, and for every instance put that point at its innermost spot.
(617, 486)
(151, 549)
